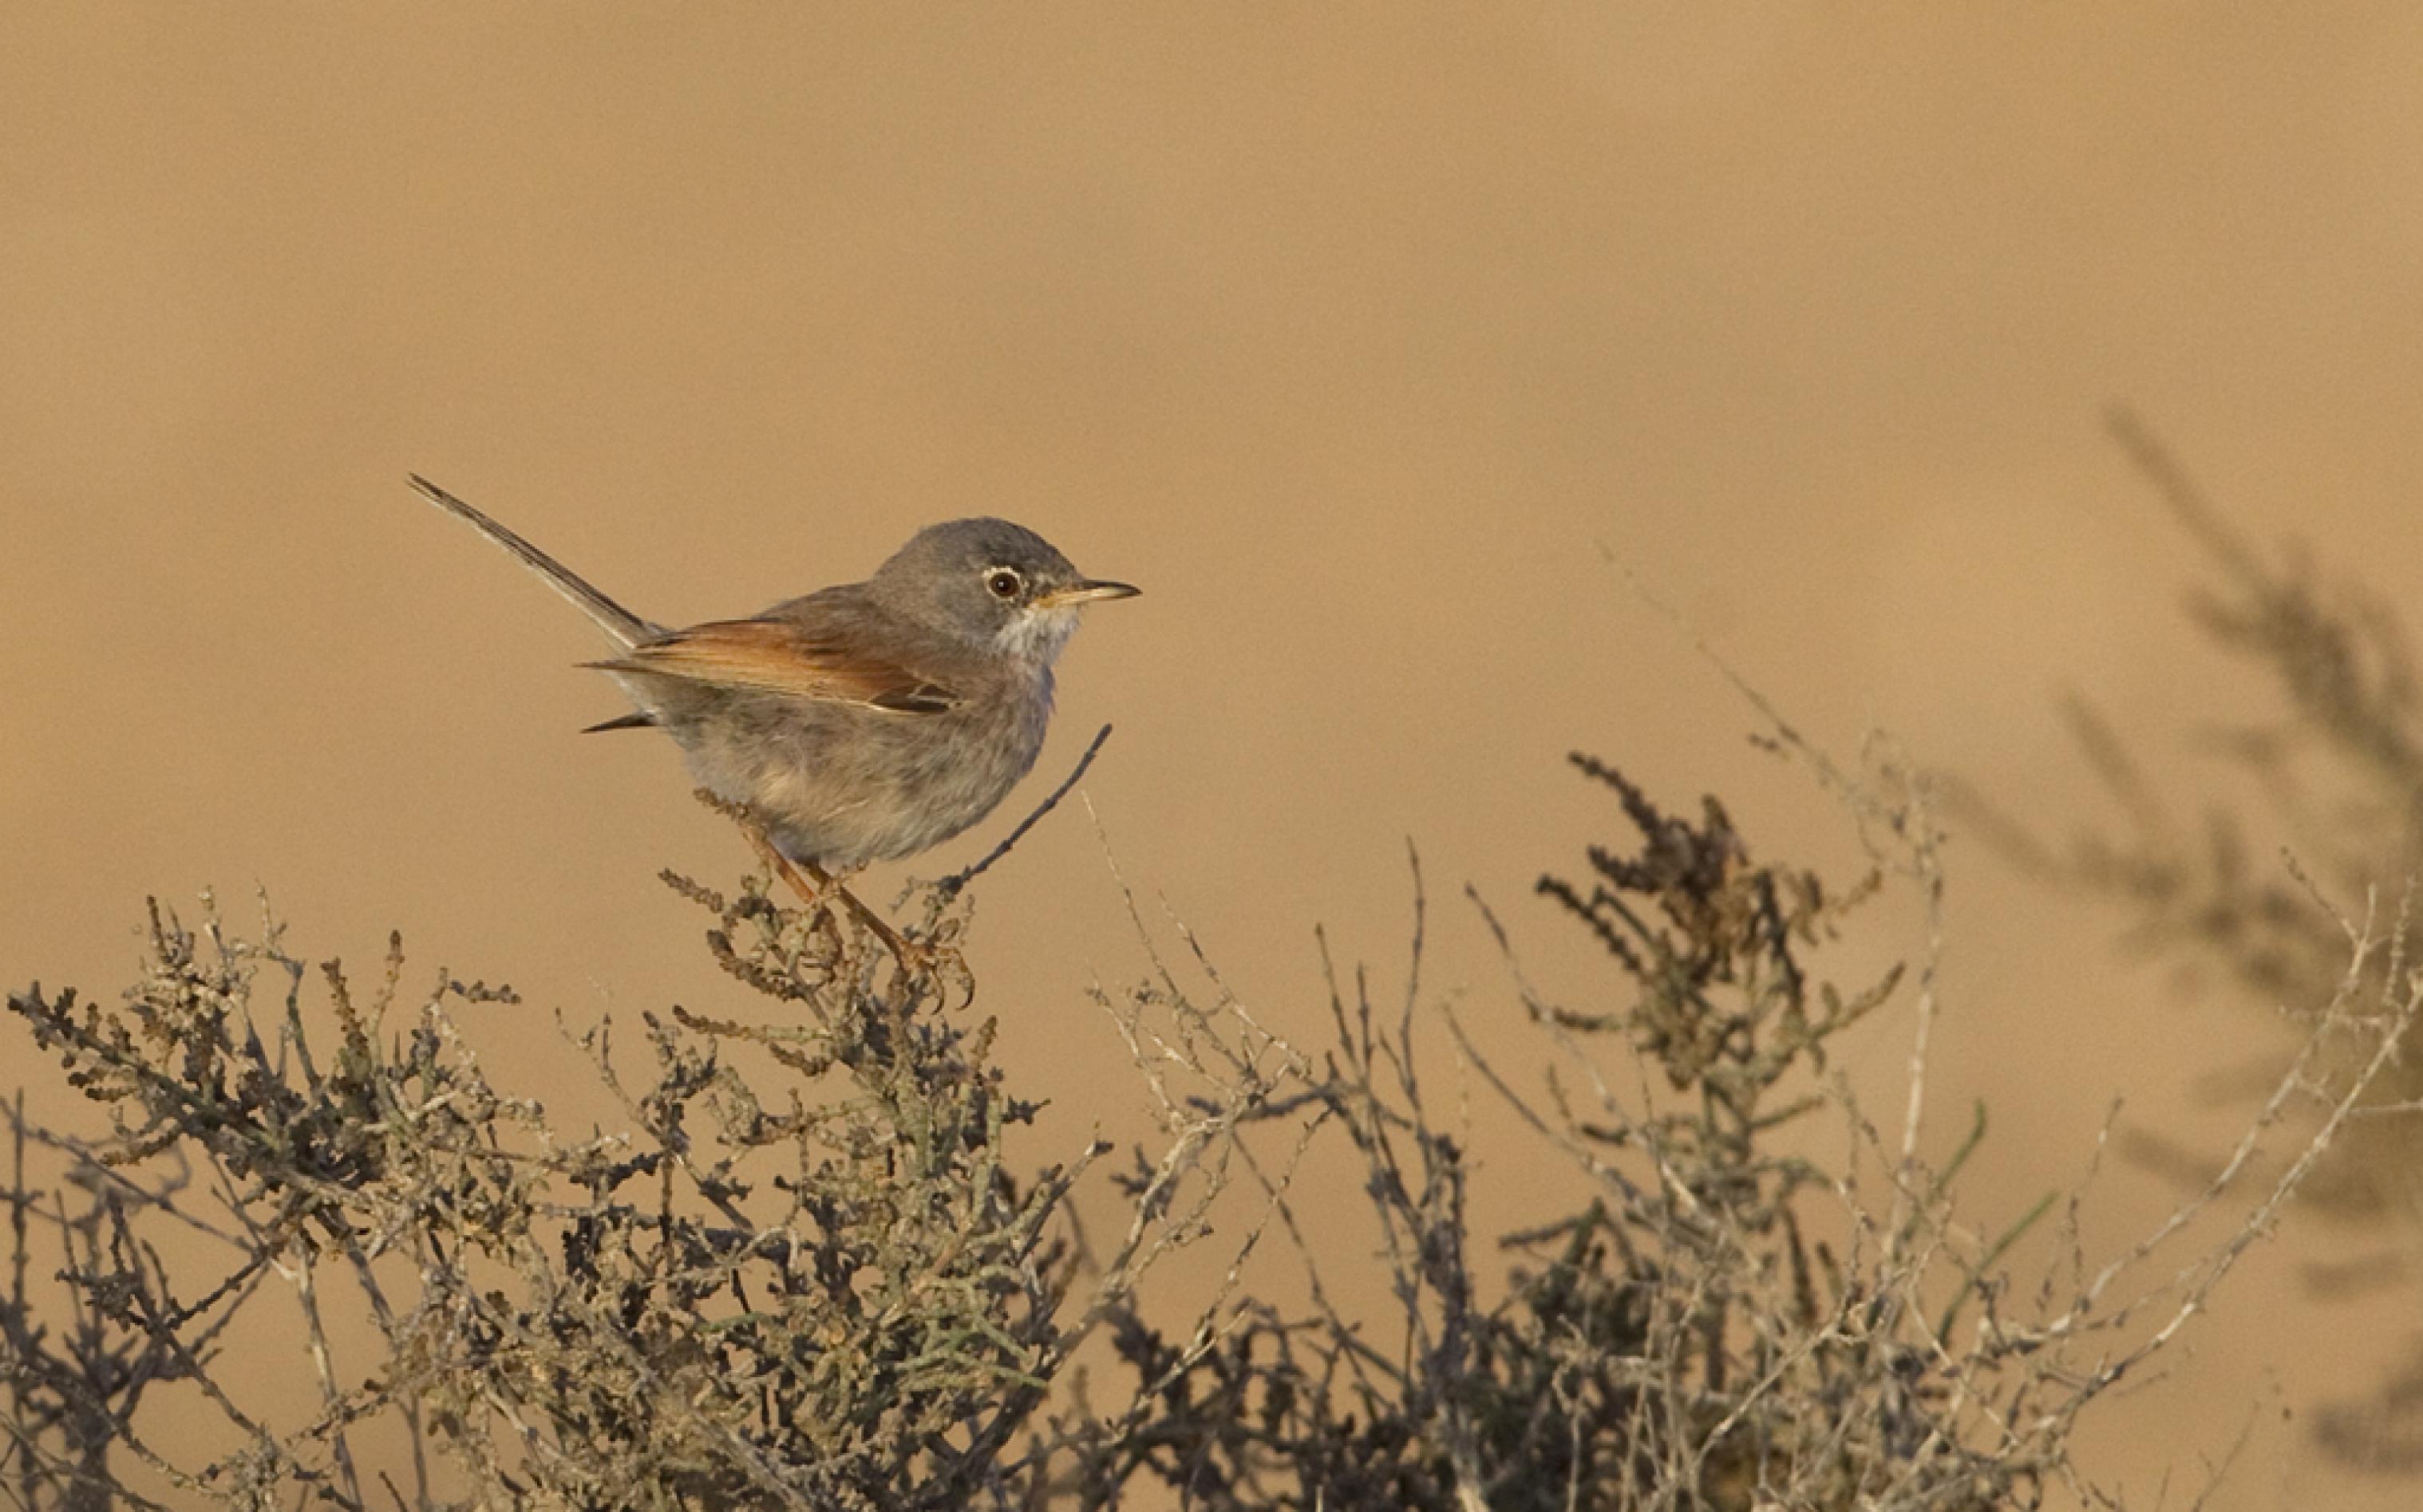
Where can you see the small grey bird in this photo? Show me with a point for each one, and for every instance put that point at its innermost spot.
(865, 722)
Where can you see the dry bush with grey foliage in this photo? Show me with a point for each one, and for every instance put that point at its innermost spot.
(819, 1265)
(2333, 773)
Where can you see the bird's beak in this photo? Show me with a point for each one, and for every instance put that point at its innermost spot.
(1062, 598)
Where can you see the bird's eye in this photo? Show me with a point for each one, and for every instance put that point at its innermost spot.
(1004, 583)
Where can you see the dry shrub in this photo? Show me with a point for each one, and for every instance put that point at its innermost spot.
(2333, 773)
(809, 1271)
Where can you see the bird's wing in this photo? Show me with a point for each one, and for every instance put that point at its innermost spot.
(786, 657)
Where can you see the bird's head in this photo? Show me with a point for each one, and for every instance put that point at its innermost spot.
(991, 584)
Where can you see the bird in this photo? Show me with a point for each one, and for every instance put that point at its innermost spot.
(863, 722)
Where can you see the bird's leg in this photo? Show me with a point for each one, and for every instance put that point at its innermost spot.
(935, 962)
(816, 885)
(781, 866)
(912, 957)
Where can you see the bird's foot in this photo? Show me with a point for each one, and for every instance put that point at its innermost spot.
(918, 959)
(816, 887)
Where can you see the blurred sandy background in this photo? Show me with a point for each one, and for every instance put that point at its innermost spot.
(1350, 332)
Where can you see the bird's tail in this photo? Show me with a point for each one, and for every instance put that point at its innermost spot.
(621, 625)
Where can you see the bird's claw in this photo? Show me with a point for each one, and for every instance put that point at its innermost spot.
(917, 959)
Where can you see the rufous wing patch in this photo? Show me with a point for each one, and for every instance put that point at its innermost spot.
(772, 656)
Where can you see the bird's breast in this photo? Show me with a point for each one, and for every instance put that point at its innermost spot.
(846, 785)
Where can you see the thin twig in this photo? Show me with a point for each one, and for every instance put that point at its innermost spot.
(950, 886)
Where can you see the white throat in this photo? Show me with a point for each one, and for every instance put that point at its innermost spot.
(1036, 636)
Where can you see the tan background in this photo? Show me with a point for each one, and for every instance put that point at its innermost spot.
(1350, 332)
